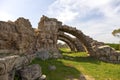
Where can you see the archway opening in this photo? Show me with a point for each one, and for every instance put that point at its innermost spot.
(63, 46)
(73, 40)
(81, 37)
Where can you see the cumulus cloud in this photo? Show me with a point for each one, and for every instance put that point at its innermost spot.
(96, 18)
(74, 8)
(60, 9)
(4, 16)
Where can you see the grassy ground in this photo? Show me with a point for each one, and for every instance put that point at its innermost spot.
(73, 64)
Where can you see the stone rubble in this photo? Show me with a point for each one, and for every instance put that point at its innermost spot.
(20, 44)
(52, 67)
(31, 72)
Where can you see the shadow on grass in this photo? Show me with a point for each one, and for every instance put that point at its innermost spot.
(62, 72)
(87, 59)
(83, 57)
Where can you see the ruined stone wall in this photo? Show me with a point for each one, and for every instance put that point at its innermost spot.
(47, 39)
(104, 52)
(27, 35)
(96, 49)
(16, 37)
(20, 38)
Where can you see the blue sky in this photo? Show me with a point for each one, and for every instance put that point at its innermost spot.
(96, 18)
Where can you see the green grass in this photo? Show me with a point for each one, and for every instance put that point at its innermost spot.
(74, 64)
(62, 71)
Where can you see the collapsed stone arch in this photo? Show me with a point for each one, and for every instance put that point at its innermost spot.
(81, 37)
(19, 38)
(74, 41)
(50, 28)
(71, 46)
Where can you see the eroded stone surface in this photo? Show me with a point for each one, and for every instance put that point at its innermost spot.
(106, 53)
(20, 38)
(119, 58)
(81, 37)
(75, 42)
(26, 35)
(6, 66)
(31, 72)
(9, 64)
(43, 54)
(47, 37)
(4, 77)
(52, 67)
(16, 37)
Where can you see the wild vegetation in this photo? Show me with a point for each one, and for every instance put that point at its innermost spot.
(72, 65)
(116, 33)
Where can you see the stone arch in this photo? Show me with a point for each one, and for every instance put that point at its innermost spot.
(72, 47)
(78, 34)
(74, 41)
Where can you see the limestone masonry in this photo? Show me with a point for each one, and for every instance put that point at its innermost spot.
(20, 44)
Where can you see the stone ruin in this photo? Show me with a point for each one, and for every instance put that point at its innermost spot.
(76, 44)
(17, 37)
(47, 37)
(20, 44)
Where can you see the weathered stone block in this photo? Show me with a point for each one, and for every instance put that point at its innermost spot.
(47, 38)
(103, 58)
(43, 54)
(4, 77)
(52, 67)
(16, 37)
(7, 66)
(113, 58)
(118, 58)
(31, 72)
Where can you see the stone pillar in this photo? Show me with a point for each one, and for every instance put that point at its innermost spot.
(48, 35)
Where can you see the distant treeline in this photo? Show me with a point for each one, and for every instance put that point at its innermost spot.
(115, 46)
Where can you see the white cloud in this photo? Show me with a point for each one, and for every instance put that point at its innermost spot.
(67, 10)
(4, 16)
(60, 9)
(96, 18)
